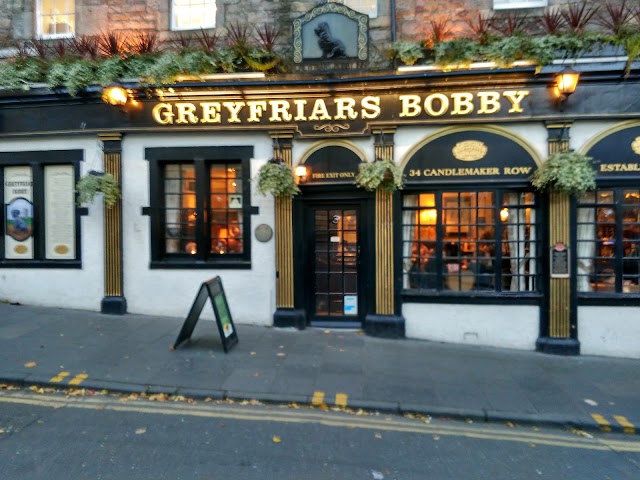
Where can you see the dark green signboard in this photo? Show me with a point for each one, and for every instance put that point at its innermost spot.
(213, 290)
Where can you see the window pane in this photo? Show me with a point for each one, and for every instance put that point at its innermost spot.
(368, 7)
(180, 209)
(56, 18)
(469, 241)
(609, 241)
(192, 14)
(225, 212)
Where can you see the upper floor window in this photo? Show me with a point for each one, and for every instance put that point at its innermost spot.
(368, 7)
(608, 241)
(504, 4)
(56, 18)
(193, 14)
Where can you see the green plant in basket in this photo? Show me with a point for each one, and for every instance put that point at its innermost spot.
(88, 186)
(569, 172)
(380, 173)
(277, 178)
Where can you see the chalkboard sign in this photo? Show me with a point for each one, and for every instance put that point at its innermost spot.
(559, 261)
(212, 290)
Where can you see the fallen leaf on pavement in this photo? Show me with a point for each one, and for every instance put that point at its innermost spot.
(276, 439)
(141, 430)
(30, 364)
(159, 397)
(588, 401)
(378, 435)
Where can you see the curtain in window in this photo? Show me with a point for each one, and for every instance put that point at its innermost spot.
(172, 208)
(516, 237)
(408, 220)
(586, 245)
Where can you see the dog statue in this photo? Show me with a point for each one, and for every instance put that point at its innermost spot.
(331, 46)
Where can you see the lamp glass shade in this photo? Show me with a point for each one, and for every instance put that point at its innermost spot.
(567, 81)
(301, 171)
(115, 95)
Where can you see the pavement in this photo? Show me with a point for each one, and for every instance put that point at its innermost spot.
(64, 348)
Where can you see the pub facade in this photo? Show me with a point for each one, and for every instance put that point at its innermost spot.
(467, 251)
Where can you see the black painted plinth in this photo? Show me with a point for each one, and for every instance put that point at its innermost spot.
(558, 346)
(385, 326)
(289, 317)
(114, 305)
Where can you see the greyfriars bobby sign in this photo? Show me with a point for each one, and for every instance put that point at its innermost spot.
(330, 37)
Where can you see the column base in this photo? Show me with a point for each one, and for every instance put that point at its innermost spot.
(558, 346)
(385, 326)
(289, 317)
(114, 305)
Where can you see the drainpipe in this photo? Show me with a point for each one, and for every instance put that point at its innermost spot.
(392, 13)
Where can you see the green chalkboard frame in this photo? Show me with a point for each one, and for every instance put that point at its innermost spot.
(214, 291)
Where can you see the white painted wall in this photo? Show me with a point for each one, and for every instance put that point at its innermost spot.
(609, 331)
(170, 292)
(505, 326)
(63, 287)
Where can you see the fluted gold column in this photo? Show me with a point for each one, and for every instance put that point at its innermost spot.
(114, 301)
(385, 304)
(284, 229)
(559, 231)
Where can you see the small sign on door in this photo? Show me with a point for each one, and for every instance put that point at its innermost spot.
(351, 305)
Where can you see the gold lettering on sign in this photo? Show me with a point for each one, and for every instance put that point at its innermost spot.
(470, 150)
(635, 145)
(620, 167)
(343, 109)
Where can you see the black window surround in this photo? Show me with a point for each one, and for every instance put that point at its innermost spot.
(493, 294)
(201, 158)
(38, 160)
(606, 258)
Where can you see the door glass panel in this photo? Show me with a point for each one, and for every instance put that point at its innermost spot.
(335, 262)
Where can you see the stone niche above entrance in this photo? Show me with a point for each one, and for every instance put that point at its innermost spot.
(331, 37)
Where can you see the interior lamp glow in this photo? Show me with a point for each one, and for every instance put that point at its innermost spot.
(504, 214)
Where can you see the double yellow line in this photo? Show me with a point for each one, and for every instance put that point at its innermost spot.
(77, 380)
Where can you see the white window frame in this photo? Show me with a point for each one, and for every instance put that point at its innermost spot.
(69, 14)
(508, 4)
(183, 6)
(357, 6)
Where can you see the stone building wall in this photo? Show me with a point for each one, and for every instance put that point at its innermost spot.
(413, 17)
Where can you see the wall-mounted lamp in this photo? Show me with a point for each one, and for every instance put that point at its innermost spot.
(566, 83)
(301, 173)
(115, 95)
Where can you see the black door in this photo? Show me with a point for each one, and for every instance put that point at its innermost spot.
(334, 271)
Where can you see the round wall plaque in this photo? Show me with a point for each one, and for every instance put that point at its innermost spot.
(263, 232)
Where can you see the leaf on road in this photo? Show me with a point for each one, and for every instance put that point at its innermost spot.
(159, 397)
(588, 401)
(78, 392)
(30, 364)
(436, 437)
(378, 435)
(276, 439)
(377, 475)
(141, 430)
(581, 433)
(510, 424)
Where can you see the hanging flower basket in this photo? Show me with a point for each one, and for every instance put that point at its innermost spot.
(277, 178)
(383, 174)
(569, 172)
(88, 186)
